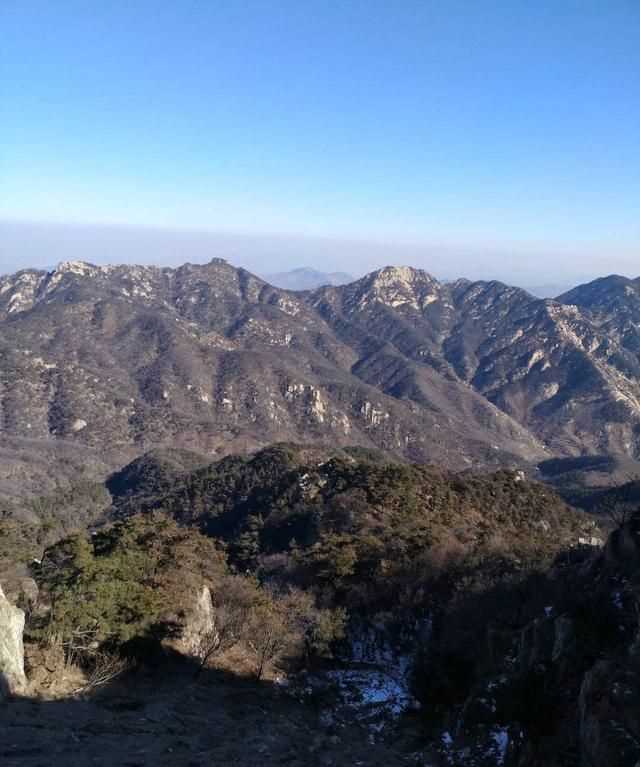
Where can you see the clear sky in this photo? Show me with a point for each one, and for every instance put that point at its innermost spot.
(490, 127)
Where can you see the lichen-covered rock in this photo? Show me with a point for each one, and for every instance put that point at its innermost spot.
(12, 676)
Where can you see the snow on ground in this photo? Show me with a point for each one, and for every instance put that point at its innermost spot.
(371, 689)
(501, 741)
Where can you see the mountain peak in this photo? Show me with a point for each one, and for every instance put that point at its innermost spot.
(306, 278)
(306, 270)
(604, 293)
(405, 274)
(82, 268)
(400, 286)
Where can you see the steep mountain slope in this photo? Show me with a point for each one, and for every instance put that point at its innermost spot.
(613, 304)
(122, 358)
(212, 358)
(553, 369)
(568, 375)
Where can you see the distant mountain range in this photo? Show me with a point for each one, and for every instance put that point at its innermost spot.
(115, 360)
(550, 290)
(306, 278)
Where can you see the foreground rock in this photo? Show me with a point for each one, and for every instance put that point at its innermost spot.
(12, 677)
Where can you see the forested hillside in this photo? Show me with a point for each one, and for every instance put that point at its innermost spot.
(481, 603)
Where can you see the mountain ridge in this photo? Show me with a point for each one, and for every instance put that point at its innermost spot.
(213, 358)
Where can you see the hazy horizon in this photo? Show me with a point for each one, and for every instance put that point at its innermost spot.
(42, 245)
(486, 140)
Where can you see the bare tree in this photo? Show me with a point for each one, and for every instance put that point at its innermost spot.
(269, 635)
(291, 624)
(106, 668)
(622, 503)
(232, 603)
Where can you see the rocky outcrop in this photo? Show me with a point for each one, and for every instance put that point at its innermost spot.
(565, 690)
(12, 676)
(199, 624)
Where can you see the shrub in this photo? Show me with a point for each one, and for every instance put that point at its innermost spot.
(130, 580)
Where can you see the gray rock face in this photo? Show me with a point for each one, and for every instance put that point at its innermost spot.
(12, 676)
(200, 623)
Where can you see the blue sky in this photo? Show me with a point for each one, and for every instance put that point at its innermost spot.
(495, 126)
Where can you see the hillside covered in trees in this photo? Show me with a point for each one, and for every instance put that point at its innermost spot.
(462, 612)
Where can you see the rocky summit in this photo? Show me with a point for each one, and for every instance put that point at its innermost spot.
(119, 359)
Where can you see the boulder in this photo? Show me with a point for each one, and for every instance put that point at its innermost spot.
(12, 676)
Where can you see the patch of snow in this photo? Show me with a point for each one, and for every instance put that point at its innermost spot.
(501, 741)
(591, 541)
(364, 688)
(447, 740)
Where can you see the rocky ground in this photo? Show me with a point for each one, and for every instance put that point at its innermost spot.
(169, 719)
